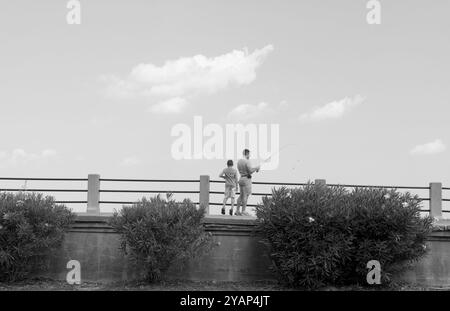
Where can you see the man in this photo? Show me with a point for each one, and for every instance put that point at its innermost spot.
(245, 182)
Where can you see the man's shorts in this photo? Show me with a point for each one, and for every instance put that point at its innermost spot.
(230, 191)
(245, 186)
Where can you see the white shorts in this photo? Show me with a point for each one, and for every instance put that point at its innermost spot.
(230, 191)
(245, 186)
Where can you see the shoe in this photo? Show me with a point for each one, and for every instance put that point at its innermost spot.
(231, 212)
(245, 214)
(223, 210)
(238, 213)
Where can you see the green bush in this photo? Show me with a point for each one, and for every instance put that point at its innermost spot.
(157, 232)
(321, 235)
(387, 227)
(31, 227)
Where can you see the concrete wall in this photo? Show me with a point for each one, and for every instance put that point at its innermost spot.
(434, 268)
(238, 254)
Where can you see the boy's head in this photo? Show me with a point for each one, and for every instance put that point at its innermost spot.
(230, 163)
(246, 153)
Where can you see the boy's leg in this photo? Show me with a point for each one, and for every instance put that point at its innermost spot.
(232, 206)
(224, 204)
(226, 196)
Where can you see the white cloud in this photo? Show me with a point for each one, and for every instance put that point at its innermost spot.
(19, 156)
(48, 153)
(188, 76)
(333, 110)
(436, 146)
(247, 111)
(130, 161)
(173, 105)
(284, 105)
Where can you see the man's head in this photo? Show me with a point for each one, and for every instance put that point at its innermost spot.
(246, 153)
(230, 163)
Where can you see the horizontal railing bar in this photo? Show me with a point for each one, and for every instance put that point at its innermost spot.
(256, 193)
(44, 179)
(150, 180)
(445, 188)
(446, 200)
(257, 205)
(71, 202)
(279, 183)
(44, 190)
(117, 202)
(342, 185)
(220, 204)
(147, 191)
(126, 202)
(265, 183)
(369, 186)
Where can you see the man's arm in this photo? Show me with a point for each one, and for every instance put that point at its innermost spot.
(251, 170)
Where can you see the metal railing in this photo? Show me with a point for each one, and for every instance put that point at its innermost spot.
(46, 190)
(93, 190)
(324, 182)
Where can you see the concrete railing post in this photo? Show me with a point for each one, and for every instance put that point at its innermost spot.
(436, 199)
(204, 192)
(320, 182)
(93, 196)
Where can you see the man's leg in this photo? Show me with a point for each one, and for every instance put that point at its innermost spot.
(239, 199)
(244, 202)
(248, 191)
(238, 203)
(232, 206)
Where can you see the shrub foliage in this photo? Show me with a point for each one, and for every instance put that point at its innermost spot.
(320, 235)
(31, 227)
(156, 232)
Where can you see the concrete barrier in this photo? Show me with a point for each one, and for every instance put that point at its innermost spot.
(434, 268)
(238, 254)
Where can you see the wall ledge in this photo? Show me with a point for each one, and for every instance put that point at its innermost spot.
(220, 224)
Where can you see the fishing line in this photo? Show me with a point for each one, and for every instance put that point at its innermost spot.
(277, 152)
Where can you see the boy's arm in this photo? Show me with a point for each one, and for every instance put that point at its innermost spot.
(222, 174)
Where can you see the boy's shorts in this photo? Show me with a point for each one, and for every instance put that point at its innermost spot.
(230, 191)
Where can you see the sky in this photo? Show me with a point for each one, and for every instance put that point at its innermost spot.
(356, 103)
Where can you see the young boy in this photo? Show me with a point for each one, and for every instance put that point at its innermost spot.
(231, 180)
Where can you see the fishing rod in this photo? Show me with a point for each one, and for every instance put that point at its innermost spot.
(276, 152)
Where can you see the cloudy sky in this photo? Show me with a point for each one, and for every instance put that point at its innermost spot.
(357, 103)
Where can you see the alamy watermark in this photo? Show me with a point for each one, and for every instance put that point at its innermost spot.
(214, 141)
(374, 275)
(373, 17)
(73, 17)
(74, 275)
